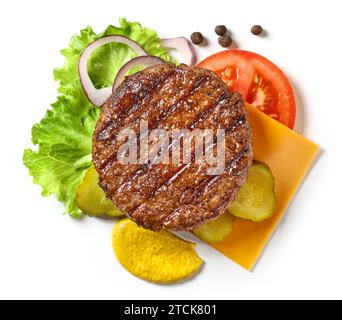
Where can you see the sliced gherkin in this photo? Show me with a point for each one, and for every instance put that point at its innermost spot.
(256, 199)
(216, 230)
(92, 200)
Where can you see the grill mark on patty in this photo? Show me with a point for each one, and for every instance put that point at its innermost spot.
(204, 115)
(164, 186)
(208, 212)
(153, 92)
(145, 169)
(177, 176)
(162, 116)
(157, 92)
(209, 184)
(180, 185)
(232, 164)
(197, 192)
(143, 104)
(237, 122)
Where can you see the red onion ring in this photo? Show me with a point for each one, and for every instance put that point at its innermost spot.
(184, 46)
(99, 96)
(142, 61)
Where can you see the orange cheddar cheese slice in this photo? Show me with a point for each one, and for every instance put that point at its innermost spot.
(290, 156)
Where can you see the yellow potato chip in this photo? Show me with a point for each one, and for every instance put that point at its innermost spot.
(159, 257)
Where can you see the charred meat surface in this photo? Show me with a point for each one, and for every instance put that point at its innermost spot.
(172, 196)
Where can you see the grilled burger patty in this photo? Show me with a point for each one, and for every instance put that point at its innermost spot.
(181, 196)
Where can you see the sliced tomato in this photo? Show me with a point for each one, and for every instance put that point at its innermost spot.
(260, 82)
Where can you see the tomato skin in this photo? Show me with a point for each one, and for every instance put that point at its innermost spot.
(258, 80)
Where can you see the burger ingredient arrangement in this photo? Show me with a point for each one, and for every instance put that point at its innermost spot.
(63, 163)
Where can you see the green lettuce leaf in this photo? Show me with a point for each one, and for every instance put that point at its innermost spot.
(63, 138)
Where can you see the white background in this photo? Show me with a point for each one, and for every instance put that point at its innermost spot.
(44, 254)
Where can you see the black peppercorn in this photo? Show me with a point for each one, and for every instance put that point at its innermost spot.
(257, 30)
(225, 41)
(197, 38)
(221, 30)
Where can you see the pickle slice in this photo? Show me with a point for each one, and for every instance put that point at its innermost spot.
(216, 230)
(256, 199)
(92, 200)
